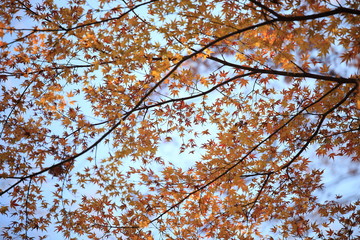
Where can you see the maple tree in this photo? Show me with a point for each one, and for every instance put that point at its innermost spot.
(93, 93)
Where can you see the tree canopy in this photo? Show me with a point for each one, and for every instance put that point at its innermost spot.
(178, 119)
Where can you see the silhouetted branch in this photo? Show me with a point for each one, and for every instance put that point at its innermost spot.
(286, 74)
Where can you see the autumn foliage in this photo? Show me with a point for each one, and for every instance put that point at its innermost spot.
(178, 119)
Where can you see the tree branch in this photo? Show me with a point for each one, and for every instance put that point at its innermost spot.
(284, 73)
(262, 6)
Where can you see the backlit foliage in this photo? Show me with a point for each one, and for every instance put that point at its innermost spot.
(177, 119)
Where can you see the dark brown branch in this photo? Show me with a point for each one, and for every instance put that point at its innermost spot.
(26, 209)
(335, 11)
(260, 191)
(284, 73)
(18, 39)
(262, 6)
(339, 133)
(111, 19)
(13, 108)
(112, 226)
(196, 95)
(36, 14)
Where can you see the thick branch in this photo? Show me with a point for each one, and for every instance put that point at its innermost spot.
(284, 73)
(265, 8)
(338, 10)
